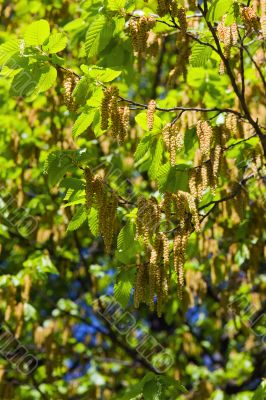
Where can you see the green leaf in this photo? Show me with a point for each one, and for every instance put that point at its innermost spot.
(82, 123)
(115, 5)
(218, 9)
(41, 263)
(157, 152)
(141, 120)
(57, 42)
(93, 221)
(152, 390)
(122, 291)
(126, 237)
(82, 90)
(78, 219)
(143, 147)
(171, 179)
(7, 50)
(103, 74)
(99, 35)
(47, 78)
(260, 393)
(56, 165)
(23, 83)
(200, 55)
(37, 33)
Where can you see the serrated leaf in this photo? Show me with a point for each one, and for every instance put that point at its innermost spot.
(93, 222)
(123, 286)
(126, 237)
(157, 153)
(82, 123)
(7, 50)
(46, 80)
(218, 9)
(103, 74)
(200, 55)
(142, 148)
(57, 42)
(78, 219)
(82, 90)
(152, 390)
(37, 33)
(171, 179)
(56, 165)
(98, 36)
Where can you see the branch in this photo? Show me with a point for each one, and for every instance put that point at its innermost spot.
(238, 93)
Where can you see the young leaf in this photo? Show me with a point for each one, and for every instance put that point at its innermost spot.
(78, 219)
(37, 33)
(93, 221)
(57, 42)
(98, 36)
(82, 123)
(8, 50)
(200, 55)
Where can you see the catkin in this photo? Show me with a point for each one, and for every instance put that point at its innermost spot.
(25, 295)
(250, 19)
(263, 26)
(89, 188)
(139, 32)
(182, 19)
(150, 114)
(162, 7)
(205, 134)
(69, 83)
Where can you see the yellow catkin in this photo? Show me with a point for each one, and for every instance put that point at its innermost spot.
(216, 156)
(69, 83)
(107, 217)
(140, 285)
(89, 188)
(180, 242)
(162, 8)
(193, 184)
(181, 16)
(174, 8)
(25, 295)
(221, 68)
(139, 31)
(204, 170)
(105, 113)
(153, 276)
(231, 123)
(250, 19)
(263, 26)
(150, 114)
(148, 218)
(204, 133)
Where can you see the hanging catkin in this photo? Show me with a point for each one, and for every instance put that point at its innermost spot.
(150, 114)
(69, 83)
(205, 134)
(139, 31)
(250, 19)
(182, 19)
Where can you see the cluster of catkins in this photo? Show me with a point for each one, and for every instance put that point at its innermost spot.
(111, 112)
(69, 82)
(173, 139)
(228, 35)
(139, 29)
(250, 19)
(15, 309)
(152, 278)
(106, 202)
(209, 158)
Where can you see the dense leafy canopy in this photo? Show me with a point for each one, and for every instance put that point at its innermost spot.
(132, 150)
